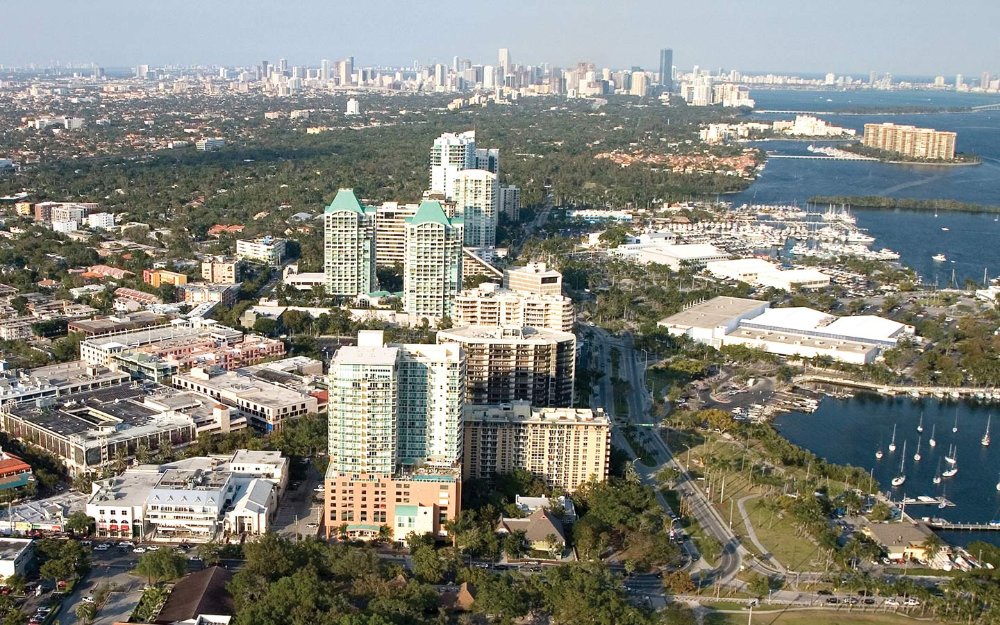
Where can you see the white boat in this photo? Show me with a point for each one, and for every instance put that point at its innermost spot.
(998, 484)
(937, 476)
(954, 428)
(920, 424)
(892, 443)
(878, 454)
(916, 454)
(945, 229)
(932, 442)
(950, 458)
(986, 437)
(899, 479)
(939, 258)
(950, 472)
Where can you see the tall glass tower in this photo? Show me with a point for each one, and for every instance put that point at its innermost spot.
(667, 69)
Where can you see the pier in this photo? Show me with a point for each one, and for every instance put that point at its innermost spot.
(925, 501)
(953, 392)
(940, 524)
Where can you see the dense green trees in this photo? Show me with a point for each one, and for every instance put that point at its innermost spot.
(161, 565)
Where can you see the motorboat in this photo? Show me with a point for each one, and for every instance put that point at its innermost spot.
(939, 258)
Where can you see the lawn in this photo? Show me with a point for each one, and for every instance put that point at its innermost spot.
(776, 532)
(813, 617)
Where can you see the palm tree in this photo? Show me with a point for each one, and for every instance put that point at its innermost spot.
(86, 612)
(932, 545)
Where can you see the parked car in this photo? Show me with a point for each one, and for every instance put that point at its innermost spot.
(911, 602)
(139, 550)
(88, 599)
(891, 602)
(102, 547)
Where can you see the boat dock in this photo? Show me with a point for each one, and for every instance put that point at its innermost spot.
(941, 524)
(924, 500)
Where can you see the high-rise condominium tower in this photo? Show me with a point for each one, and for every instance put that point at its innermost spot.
(348, 246)
(395, 438)
(432, 263)
(476, 200)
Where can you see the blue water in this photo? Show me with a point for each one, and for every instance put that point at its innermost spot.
(848, 431)
(915, 235)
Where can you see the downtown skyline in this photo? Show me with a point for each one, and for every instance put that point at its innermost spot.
(237, 34)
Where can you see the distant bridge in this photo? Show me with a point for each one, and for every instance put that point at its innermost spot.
(969, 527)
(987, 107)
(823, 158)
(797, 112)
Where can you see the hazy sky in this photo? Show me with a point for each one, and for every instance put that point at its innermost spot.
(843, 36)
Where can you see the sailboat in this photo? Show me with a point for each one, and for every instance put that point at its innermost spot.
(932, 442)
(920, 424)
(937, 476)
(986, 437)
(950, 458)
(892, 443)
(950, 472)
(954, 428)
(878, 453)
(899, 479)
(916, 454)
(998, 484)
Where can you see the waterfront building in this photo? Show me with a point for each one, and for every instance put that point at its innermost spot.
(793, 331)
(432, 264)
(507, 364)
(910, 141)
(395, 424)
(348, 246)
(490, 305)
(566, 447)
(476, 199)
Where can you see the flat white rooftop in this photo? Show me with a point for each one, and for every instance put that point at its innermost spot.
(713, 313)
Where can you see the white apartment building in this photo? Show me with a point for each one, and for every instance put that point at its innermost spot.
(476, 196)
(450, 154)
(348, 246)
(208, 144)
(221, 270)
(490, 305)
(533, 278)
(101, 220)
(265, 250)
(432, 268)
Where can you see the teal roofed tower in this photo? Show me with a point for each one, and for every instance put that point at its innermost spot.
(431, 211)
(345, 201)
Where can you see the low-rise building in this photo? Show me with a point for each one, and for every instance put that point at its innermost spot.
(203, 292)
(29, 385)
(759, 272)
(564, 446)
(100, 350)
(543, 532)
(266, 405)
(197, 499)
(265, 250)
(16, 554)
(114, 324)
(157, 277)
(534, 278)
(222, 270)
(900, 540)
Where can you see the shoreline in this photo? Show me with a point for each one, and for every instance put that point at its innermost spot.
(879, 202)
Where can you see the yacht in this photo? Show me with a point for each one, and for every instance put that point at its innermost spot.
(892, 443)
(932, 442)
(945, 229)
(939, 258)
(899, 479)
(986, 437)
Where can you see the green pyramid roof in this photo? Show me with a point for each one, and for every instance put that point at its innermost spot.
(345, 201)
(430, 211)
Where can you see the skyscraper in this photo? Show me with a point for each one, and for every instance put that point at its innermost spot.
(450, 154)
(348, 246)
(476, 200)
(325, 70)
(432, 264)
(667, 69)
(395, 438)
(504, 58)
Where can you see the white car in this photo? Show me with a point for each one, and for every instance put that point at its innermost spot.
(102, 547)
(88, 599)
(911, 602)
(891, 602)
(139, 550)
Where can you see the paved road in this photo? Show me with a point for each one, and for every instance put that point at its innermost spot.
(298, 514)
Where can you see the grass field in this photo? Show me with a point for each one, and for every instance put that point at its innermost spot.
(814, 617)
(776, 532)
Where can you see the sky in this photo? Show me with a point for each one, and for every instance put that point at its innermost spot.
(923, 37)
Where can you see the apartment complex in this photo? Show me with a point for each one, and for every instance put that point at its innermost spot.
(348, 246)
(911, 141)
(507, 364)
(390, 232)
(477, 197)
(490, 305)
(452, 153)
(394, 438)
(432, 269)
(221, 270)
(565, 446)
(267, 250)
(533, 278)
